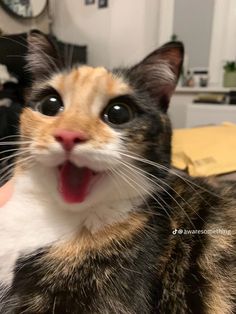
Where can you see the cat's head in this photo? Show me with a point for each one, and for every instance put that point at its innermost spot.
(91, 129)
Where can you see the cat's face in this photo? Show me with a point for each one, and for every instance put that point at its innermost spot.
(88, 127)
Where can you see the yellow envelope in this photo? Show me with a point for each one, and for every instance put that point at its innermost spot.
(204, 151)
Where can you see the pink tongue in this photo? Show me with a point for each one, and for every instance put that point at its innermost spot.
(74, 182)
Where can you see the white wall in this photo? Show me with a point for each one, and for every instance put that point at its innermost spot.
(165, 20)
(134, 30)
(76, 23)
(12, 25)
(193, 25)
(118, 35)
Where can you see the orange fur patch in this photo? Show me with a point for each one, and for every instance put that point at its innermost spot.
(64, 257)
(85, 92)
(114, 234)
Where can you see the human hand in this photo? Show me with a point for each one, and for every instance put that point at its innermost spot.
(6, 192)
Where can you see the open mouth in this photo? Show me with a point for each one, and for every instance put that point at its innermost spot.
(74, 182)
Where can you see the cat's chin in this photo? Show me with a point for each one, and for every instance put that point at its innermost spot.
(75, 183)
(105, 195)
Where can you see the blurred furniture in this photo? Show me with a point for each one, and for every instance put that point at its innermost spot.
(185, 113)
(205, 114)
(13, 49)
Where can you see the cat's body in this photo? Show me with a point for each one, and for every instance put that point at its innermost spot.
(134, 267)
(114, 245)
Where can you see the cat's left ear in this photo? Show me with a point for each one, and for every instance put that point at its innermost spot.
(159, 72)
(43, 58)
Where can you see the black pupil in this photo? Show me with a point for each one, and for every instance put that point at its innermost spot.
(50, 106)
(118, 114)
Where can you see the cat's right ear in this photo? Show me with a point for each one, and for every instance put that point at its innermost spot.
(158, 73)
(42, 58)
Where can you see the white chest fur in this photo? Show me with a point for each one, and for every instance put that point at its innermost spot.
(33, 219)
(27, 223)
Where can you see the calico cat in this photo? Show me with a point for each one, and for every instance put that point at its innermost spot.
(99, 222)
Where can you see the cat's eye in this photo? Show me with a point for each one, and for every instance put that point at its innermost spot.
(118, 113)
(50, 105)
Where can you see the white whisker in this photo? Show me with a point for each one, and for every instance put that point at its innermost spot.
(16, 136)
(170, 171)
(160, 187)
(15, 143)
(12, 165)
(128, 178)
(18, 153)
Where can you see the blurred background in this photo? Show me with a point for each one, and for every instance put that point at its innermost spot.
(116, 33)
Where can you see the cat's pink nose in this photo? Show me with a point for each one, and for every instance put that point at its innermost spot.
(68, 139)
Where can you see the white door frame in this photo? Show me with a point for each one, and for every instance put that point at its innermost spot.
(223, 40)
(166, 20)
